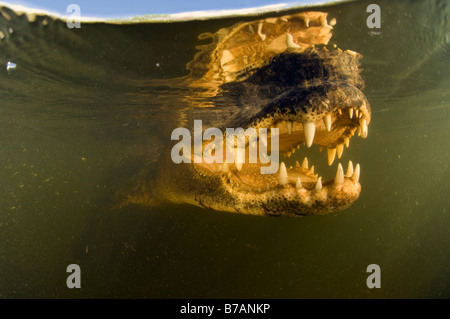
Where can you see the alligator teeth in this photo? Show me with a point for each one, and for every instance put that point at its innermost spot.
(339, 175)
(312, 169)
(340, 111)
(349, 169)
(347, 141)
(283, 176)
(261, 35)
(357, 113)
(331, 155)
(327, 121)
(297, 164)
(239, 166)
(289, 127)
(363, 124)
(305, 163)
(355, 176)
(339, 150)
(350, 112)
(319, 184)
(298, 184)
(310, 129)
(332, 22)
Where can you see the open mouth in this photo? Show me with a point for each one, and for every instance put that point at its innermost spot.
(300, 184)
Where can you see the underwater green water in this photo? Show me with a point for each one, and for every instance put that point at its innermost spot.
(87, 109)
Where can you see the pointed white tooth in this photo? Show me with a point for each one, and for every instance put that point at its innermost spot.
(350, 112)
(312, 169)
(298, 184)
(239, 166)
(283, 176)
(357, 113)
(339, 175)
(306, 21)
(225, 168)
(319, 184)
(349, 169)
(356, 173)
(327, 121)
(290, 42)
(289, 127)
(305, 163)
(297, 164)
(347, 141)
(359, 130)
(339, 150)
(340, 111)
(331, 155)
(363, 124)
(310, 129)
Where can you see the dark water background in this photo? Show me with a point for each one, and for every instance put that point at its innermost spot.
(86, 109)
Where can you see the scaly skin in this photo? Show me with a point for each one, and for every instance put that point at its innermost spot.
(283, 86)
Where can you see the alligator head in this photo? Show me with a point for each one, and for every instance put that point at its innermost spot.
(274, 73)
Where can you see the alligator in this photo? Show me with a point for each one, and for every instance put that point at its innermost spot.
(271, 73)
(277, 72)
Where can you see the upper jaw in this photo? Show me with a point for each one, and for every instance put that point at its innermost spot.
(328, 116)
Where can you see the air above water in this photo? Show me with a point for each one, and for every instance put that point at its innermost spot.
(84, 113)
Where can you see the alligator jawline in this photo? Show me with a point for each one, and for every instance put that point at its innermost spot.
(298, 190)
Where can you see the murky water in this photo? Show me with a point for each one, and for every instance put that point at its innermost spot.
(86, 110)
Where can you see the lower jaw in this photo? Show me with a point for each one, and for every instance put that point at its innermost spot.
(293, 191)
(290, 201)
